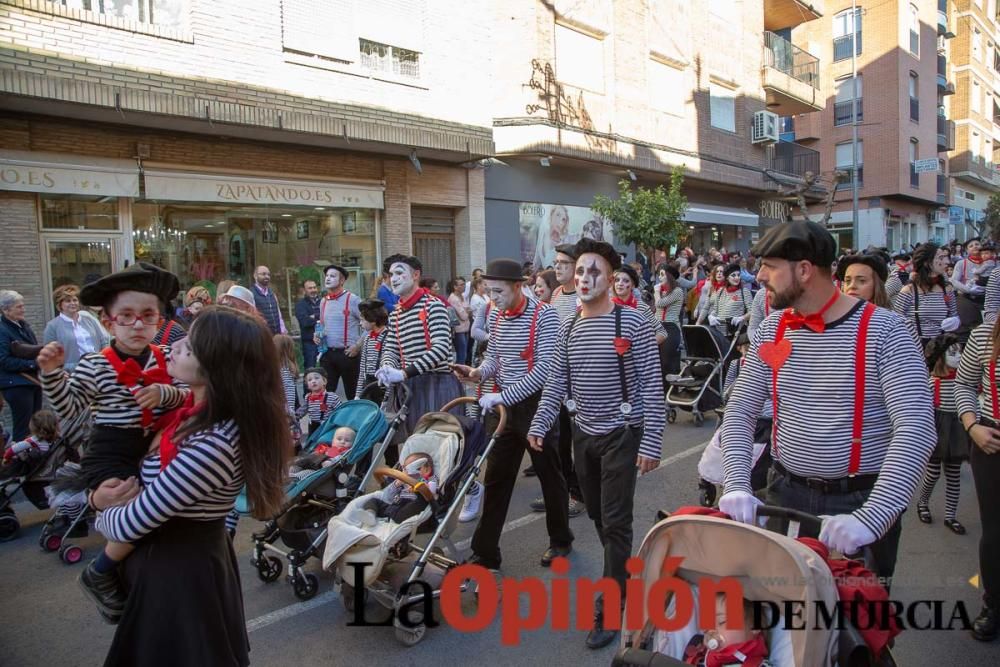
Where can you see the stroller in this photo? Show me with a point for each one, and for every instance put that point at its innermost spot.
(458, 448)
(313, 499)
(699, 387)
(770, 568)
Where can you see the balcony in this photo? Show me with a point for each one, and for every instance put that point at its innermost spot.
(790, 77)
(842, 47)
(794, 159)
(944, 86)
(780, 14)
(942, 20)
(842, 111)
(973, 170)
(945, 135)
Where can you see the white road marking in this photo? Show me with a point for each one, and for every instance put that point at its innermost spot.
(293, 610)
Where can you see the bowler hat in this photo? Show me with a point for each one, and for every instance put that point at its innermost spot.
(504, 269)
(140, 277)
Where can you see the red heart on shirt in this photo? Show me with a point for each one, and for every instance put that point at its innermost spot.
(622, 345)
(775, 354)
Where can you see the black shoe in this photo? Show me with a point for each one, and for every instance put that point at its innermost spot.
(538, 504)
(984, 628)
(530, 471)
(954, 526)
(554, 552)
(105, 590)
(476, 559)
(924, 514)
(598, 637)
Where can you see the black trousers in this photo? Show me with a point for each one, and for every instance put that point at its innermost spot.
(24, 401)
(670, 350)
(986, 473)
(501, 474)
(605, 465)
(339, 366)
(566, 454)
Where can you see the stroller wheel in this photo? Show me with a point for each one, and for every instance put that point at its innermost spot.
(268, 569)
(671, 415)
(410, 636)
(305, 586)
(50, 541)
(9, 526)
(699, 418)
(70, 554)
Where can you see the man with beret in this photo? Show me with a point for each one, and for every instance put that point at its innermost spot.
(605, 370)
(339, 331)
(855, 461)
(523, 334)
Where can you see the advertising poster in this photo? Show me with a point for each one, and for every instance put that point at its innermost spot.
(544, 226)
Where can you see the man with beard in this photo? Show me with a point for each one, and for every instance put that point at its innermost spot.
(605, 370)
(418, 348)
(340, 330)
(854, 460)
(517, 361)
(266, 301)
(307, 313)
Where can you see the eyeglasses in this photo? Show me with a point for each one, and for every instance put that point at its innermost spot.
(129, 320)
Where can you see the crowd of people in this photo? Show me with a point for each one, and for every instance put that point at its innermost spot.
(871, 373)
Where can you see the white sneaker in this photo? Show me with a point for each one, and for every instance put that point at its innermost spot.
(672, 377)
(473, 504)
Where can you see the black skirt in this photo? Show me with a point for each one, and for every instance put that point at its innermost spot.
(185, 605)
(952, 440)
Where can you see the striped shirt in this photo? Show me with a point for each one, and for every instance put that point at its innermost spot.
(726, 305)
(933, 308)
(200, 483)
(507, 357)
(171, 332)
(94, 384)
(893, 285)
(815, 409)
(565, 303)
(974, 374)
(288, 384)
(371, 355)
(732, 374)
(992, 305)
(419, 339)
(943, 391)
(967, 273)
(668, 305)
(759, 310)
(587, 353)
(332, 316)
(319, 406)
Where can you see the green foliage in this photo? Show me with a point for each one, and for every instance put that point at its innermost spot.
(310, 272)
(651, 219)
(991, 221)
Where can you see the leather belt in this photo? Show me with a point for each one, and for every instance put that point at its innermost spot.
(829, 486)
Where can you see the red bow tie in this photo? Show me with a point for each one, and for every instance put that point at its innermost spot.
(130, 375)
(169, 423)
(812, 322)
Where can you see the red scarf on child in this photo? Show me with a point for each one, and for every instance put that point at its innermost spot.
(168, 425)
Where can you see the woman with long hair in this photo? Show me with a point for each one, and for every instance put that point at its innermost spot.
(927, 302)
(863, 277)
(185, 606)
(544, 285)
(669, 298)
(977, 375)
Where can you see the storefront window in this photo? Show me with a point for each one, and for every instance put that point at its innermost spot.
(208, 243)
(78, 262)
(78, 212)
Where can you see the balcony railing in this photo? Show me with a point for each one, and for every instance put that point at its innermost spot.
(842, 47)
(944, 86)
(794, 159)
(945, 134)
(842, 112)
(785, 57)
(914, 108)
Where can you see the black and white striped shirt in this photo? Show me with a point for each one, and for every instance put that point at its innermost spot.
(732, 373)
(669, 304)
(893, 285)
(759, 310)
(726, 305)
(967, 272)
(992, 305)
(815, 409)
(94, 384)
(507, 356)
(933, 308)
(973, 374)
(338, 333)
(288, 385)
(319, 406)
(371, 355)
(200, 483)
(565, 303)
(588, 353)
(419, 339)
(943, 391)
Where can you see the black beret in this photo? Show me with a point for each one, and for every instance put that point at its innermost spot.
(630, 272)
(339, 269)
(140, 277)
(409, 260)
(876, 263)
(371, 304)
(567, 249)
(605, 250)
(797, 241)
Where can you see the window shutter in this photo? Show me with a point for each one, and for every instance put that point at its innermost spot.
(320, 27)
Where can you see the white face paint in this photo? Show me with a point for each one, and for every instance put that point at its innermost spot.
(623, 285)
(332, 279)
(662, 276)
(592, 278)
(503, 293)
(401, 278)
(953, 356)
(734, 278)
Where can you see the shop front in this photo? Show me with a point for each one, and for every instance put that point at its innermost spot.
(720, 227)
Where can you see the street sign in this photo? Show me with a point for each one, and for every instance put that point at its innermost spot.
(921, 166)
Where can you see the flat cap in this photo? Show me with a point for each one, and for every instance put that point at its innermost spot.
(799, 240)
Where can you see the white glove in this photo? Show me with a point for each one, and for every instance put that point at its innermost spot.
(19, 447)
(977, 290)
(737, 321)
(387, 376)
(740, 505)
(414, 468)
(489, 401)
(713, 320)
(845, 533)
(950, 323)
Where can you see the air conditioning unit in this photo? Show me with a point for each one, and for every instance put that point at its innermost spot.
(765, 128)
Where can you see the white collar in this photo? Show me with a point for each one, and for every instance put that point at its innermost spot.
(69, 319)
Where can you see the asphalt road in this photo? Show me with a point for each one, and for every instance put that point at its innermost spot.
(49, 622)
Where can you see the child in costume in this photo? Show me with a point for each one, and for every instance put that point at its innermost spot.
(319, 402)
(21, 457)
(398, 501)
(324, 454)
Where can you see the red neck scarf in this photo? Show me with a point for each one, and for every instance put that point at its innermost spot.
(131, 376)
(717, 285)
(750, 653)
(410, 301)
(333, 296)
(168, 425)
(375, 333)
(796, 320)
(975, 259)
(517, 311)
(733, 288)
(631, 301)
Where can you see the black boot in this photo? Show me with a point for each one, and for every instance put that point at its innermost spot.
(984, 628)
(106, 592)
(599, 637)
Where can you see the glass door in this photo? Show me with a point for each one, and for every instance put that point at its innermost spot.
(78, 260)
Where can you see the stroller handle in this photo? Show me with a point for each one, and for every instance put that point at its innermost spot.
(804, 518)
(461, 400)
(373, 386)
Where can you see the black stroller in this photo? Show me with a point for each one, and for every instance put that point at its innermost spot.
(699, 387)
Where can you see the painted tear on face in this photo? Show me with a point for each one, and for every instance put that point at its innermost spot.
(593, 277)
(401, 278)
(332, 279)
(503, 293)
(734, 278)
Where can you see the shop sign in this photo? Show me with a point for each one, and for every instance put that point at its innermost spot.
(25, 173)
(172, 186)
(774, 211)
(956, 215)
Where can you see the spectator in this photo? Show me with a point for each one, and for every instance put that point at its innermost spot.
(307, 313)
(457, 300)
(545, 283)
(266, 301)
(385, 293)
(18, 370)
(76, 330)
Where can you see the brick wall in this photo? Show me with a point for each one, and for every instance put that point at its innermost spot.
(21, 264)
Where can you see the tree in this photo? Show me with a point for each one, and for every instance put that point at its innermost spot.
(990, 224)
(651, 219)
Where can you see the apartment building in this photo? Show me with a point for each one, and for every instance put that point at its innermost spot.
(901, 47)
(210, 137)
(974, 59)
(588, 92)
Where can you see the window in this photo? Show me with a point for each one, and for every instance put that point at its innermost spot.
(166, 13)
(971, 196)
(579, 59)
(914, 156)
(79, 212)
(977, 44)
(722, 107)
(974, 146)
(914, 97)
(977, 98)
(844, 161)
(665, 86)
(387, 59)
(843, 103)
(844, 25)
(914, 30)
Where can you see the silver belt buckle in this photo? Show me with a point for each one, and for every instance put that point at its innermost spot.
(570, 406)
(625, 408)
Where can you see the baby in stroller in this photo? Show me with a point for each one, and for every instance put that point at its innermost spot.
(398, 501)
(728, 643)
(21, 457)
(324, 455)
